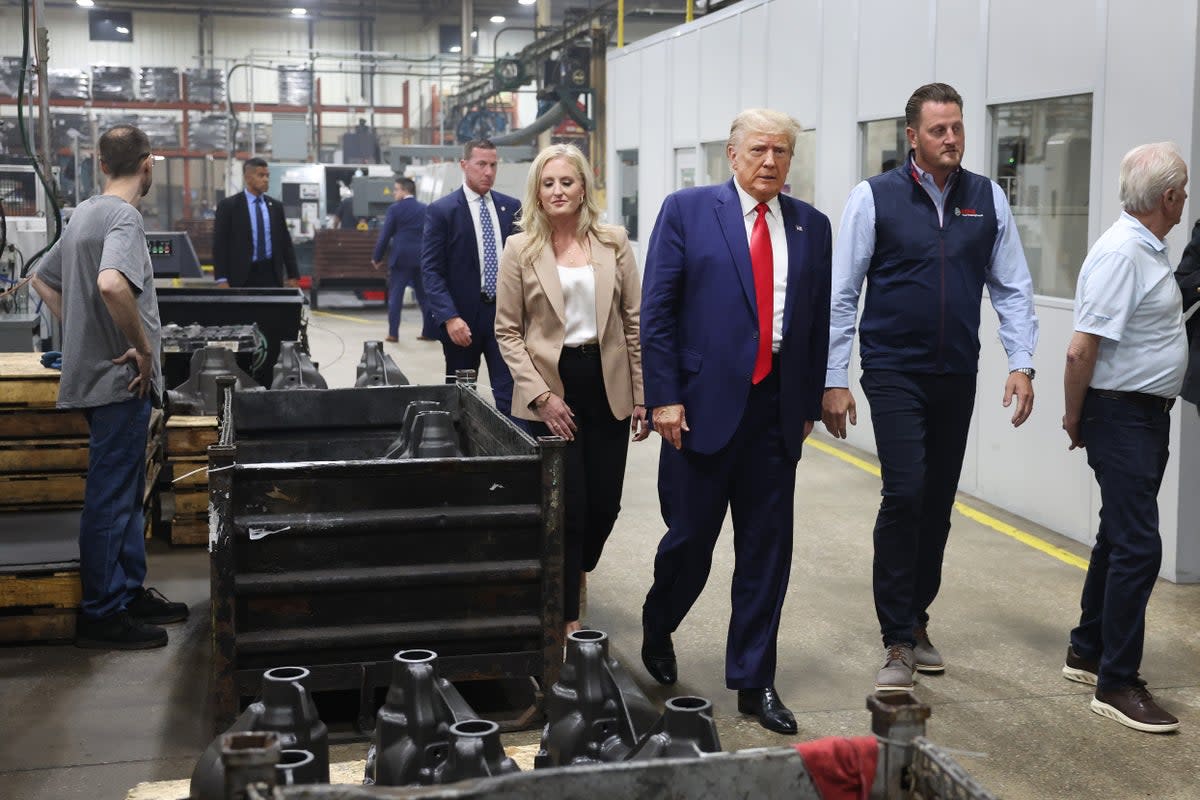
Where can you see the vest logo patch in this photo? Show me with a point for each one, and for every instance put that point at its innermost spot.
(966, 212)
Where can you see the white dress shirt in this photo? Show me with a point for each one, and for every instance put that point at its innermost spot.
(579, 304)
(779, 253)
(473, 203)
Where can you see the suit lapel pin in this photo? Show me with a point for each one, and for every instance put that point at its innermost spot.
(800, 228)
(503, 208)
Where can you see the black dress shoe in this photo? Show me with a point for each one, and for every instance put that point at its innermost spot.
(658, 654)
(771, 712)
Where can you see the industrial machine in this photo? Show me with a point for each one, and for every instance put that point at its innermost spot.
(172, 255)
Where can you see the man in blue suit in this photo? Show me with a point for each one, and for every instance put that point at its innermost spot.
(401, 238)
(735, 315)
(464, 235)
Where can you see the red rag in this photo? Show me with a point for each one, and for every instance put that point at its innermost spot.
(842, 768)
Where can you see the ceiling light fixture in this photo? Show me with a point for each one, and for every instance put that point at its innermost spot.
(455, 48)
(474, 34)
(499, 18)
(299, 12)
(526, 2)
(85, 3)
(122, 29)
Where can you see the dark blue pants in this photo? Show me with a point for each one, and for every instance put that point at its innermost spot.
(483, 345)
(595, 470)
(754, 477)
(921, 423)
(1127, 449)
(112, 544)
(398, 280)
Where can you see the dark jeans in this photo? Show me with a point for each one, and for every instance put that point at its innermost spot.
(921, 423)
(1127, 449)
(112, 544)
(595, 470)
(753, 478)
(398, 280)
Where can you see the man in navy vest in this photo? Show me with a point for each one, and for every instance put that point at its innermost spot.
(928, 236)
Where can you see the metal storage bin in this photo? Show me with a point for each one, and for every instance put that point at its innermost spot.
(325, 555)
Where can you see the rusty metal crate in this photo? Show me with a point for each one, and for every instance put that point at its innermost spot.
(325, 555)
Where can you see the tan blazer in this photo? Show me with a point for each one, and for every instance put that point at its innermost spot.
(531, 323)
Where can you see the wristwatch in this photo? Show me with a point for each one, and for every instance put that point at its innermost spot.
(1030, 372)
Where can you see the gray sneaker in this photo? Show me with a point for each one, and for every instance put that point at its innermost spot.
(928, 659)
(897, 673)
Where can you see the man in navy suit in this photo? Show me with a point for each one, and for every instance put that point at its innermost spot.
(251, 243)
(401, 238)
(464, 235)
(735, 316)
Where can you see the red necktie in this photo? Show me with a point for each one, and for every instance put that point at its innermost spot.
(763, 263)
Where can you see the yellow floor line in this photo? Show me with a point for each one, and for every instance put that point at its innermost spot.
(346, 317)
(967, 511)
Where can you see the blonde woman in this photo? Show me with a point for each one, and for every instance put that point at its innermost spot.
(567, 304)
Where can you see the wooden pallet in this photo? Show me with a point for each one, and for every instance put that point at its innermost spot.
(39, 606)
(44, 455)
(42, 490)
(190, 435)
(25, 383)
(191, 503)
(190, 530)
(41, 422)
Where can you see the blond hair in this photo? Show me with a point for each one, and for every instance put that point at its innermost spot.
(533, 220)
(764, 120)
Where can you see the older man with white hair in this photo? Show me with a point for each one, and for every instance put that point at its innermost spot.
(1125, 366)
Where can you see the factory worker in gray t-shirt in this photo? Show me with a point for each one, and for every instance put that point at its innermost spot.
(98, 280)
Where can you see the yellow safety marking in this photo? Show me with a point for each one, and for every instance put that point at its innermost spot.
(967, 511)
(346, 317)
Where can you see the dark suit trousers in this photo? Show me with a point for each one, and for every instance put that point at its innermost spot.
(595, 470)
(262, 275)
(1127, 449)
(483, 345)
(754, 477)
(399, 279)
(921, 423)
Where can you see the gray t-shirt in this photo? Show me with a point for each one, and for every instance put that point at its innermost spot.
(105, 232)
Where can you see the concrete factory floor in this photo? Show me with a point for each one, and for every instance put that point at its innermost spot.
(87, 724)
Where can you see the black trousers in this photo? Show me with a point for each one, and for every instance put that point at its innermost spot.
(1127, 449)
(595, 469)
(921, 423)
(262, 275)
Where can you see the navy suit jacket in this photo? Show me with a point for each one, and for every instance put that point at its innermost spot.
(700, 319)
(450, 267)
(401, 235)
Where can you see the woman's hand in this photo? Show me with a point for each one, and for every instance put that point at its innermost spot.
(638, 424)
(557, 415)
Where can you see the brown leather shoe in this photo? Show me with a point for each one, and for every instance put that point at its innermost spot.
(391, 339)
(1079, 669)
(1134, 707)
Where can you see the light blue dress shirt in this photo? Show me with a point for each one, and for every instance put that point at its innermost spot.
(251, 198)
(1009, 284)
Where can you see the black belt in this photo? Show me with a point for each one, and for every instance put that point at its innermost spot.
(1148, 401)
(589, 349)
(489, 299)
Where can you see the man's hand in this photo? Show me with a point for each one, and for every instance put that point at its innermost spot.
(1074, 429)
(1021, 386)
(378, 265)
(836, 406)
(671, 422)
(637, 424)
(557, 415)
(145, 367)
(222, 284)
(459, 331)
(808, 426)
(292, 283)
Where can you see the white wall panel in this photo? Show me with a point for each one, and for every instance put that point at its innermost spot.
(895, 54)
(1044, 49)
(656, 155)
(624, 103)
(684, 97)
(793, 56)
(718, 81)
(753, 76)
(960, 59)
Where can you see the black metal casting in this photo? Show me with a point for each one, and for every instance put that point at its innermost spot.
(297, 767)
(284, 708)
(587, 719)
(474, 752)
(897, 718)
(199, 393)
(295, 370)
(376, 368)
(685, 730)
(399, 448)
(412, 729)
(247, 759)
